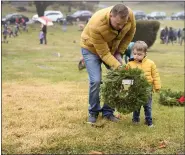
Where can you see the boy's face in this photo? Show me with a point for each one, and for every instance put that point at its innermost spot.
(138, 55)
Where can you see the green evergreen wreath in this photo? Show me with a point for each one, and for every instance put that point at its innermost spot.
(171, 98)
(125, 99)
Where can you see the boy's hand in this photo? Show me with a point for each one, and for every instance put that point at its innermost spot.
(157, 90)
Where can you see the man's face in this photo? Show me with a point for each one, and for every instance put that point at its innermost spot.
(138, 55)
(117, 22)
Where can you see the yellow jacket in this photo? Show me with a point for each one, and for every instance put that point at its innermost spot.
(150, 71)
(99, 37)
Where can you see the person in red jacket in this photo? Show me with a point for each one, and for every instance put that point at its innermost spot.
(17, 20)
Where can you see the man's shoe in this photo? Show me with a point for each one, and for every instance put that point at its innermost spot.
(135, 122)
(92, 119)
(112, 118)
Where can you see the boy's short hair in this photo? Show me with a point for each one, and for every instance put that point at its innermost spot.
(121, 10)
(140, 46)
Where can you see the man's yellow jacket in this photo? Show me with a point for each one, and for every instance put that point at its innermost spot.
(100, 38)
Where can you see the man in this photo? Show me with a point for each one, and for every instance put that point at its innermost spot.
(108, 32)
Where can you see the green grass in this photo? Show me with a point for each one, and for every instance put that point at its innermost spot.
(42, 61)
(44, 100)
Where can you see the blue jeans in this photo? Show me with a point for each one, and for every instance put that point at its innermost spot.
(93, 65)
(147, 110)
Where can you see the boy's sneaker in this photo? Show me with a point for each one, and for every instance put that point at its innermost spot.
(92, 118)
(111, 118)
(151, 126)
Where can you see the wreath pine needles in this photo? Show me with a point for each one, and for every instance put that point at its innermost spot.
(115, 94)
(171, 98)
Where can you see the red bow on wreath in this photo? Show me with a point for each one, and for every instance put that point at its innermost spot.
(181, 99)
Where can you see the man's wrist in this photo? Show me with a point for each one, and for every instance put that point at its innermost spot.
(119, 67)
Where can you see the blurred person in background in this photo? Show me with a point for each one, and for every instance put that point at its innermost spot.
(182, 36)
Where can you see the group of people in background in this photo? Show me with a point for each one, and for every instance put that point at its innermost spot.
(13, 31)
(172, 35)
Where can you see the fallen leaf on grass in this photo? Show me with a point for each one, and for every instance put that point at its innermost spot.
(95, 152)
(162, 144)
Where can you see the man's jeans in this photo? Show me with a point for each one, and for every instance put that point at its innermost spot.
(93, 66)
(148, 112)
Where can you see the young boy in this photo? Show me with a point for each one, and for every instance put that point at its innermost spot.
(41, 36)
(140, 60)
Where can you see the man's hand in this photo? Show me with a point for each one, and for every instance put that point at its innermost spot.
(118, 56)
(119, 67)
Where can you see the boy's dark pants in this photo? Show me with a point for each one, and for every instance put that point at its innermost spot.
(41, 41)
(148, 113)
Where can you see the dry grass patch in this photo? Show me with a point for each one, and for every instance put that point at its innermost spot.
(31, 114)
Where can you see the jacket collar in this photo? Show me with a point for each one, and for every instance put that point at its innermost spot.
(145, 58)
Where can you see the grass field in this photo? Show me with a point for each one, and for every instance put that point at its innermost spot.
(44, 100)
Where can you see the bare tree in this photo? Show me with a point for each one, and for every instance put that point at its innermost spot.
(41, 6)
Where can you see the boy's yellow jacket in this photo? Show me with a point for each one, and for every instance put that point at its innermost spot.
(150, 70)
(99, 37)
